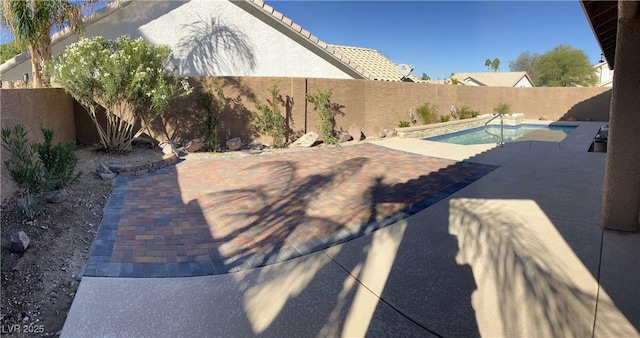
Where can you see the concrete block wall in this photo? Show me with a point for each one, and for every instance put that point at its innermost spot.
(369, 104)
(48, 107)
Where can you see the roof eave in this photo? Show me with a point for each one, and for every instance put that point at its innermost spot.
(265, 13)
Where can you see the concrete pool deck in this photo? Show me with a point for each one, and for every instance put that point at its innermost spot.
(518, 252)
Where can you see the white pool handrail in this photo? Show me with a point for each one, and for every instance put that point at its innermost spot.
(501, 136)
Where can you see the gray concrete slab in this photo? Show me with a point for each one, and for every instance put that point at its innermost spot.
(516, 253)
(310, 296)
(619, 306)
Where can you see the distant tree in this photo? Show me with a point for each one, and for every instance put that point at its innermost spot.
(526, 62)
(565, 66)
(495, 64)
(487, 63)
(452, 80)
(31, 23)
(425, 77)
(9, 50)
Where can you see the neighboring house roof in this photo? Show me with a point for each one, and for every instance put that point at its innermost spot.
(359, 63)
(367, 62)
(378, 65)
(492, 79)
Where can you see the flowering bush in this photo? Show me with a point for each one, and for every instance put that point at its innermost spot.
(128, 77)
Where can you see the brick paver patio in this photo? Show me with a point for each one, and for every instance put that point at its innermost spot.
(214, 216)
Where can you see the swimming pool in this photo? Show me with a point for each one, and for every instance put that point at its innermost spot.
(522, 132)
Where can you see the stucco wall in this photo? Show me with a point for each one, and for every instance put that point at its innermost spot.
(369, 104)
(208, 37)
(50, 108)
(375, 104)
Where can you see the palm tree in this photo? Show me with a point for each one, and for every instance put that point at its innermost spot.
(487, 63)
(31, 22)
(495, 64)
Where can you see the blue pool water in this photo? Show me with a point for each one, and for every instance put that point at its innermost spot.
(479, 135)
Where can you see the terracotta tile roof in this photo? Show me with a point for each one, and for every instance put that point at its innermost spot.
(492, 79)
(378, 65)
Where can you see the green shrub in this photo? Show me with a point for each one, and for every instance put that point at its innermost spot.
(59, 162)
(428, 113)
(37, 167)
(466, 113)
(321, 101)
(271, 121)
(24, 167)
(445, 118)
(502, 108)
(129, 78)
(212, 101)
(404, 124)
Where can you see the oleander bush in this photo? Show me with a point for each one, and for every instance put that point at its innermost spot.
(130, 78)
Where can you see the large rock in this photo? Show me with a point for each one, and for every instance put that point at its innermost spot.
(168, 147)
(104, 173)
(344, 137)
(307, 140)
(57, 196)
(256, 145)
(194, 146)
(355, 132)
(142, 143)
(19, 242)
(234, 144)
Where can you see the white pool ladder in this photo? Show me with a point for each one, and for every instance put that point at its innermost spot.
(499, 137)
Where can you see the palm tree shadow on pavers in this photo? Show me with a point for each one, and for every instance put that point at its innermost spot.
(280, 219)
(297, 282)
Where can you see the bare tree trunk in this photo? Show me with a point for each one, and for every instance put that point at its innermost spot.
(37, 80)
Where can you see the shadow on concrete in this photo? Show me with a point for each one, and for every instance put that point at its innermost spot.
(593, 109)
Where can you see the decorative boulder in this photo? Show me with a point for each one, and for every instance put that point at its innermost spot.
(355, 132)
(194, 146)
(307, 140)
(19, 242)
(344, 137)
(234, 144)
(142, 143)
(104, 173)
(256, 145)
(168, 147)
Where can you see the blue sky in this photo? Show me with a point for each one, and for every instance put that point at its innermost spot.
(441, 37)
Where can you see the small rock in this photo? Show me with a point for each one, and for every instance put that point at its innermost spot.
(307, 140)
(344, 137)
(104, 173)
(384, 132)
(142, 143)
(355, 132)
(256, 145)
(194, 146)
(19, 242)
(168, 147)
(57, 196)
(234, 144)
(543, 118)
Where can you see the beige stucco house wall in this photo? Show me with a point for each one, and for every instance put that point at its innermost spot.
(604, 74)
(209, 37)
